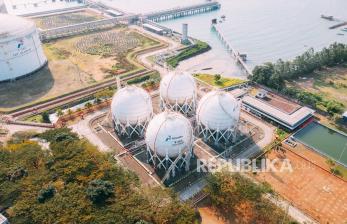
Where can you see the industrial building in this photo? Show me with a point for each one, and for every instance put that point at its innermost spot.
(289, 120)
(33, 7)
(178, 93)
(21, 52)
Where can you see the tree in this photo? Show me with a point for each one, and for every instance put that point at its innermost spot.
(57, 180)
(238, 198)
(334, 107)
(45, 117)
(98, 190)
(45, 194)
(60, 112)
(217, 77)
(88, 105)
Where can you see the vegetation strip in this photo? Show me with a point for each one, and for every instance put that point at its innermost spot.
(198, 48)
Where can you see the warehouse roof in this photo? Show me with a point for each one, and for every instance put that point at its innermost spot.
(290, 120)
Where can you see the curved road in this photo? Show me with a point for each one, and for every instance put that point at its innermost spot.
(143, 58)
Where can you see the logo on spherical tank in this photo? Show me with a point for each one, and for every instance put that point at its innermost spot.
(174, 140)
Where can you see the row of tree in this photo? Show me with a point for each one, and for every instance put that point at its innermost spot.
(274, 75)
(72, 182)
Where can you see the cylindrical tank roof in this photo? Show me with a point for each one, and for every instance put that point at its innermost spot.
(12, 27)
(218, 110)
(177, 87)
(169, 134)
(131, 105)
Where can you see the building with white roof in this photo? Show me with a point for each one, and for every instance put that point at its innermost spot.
(288, 120)
(33, 7)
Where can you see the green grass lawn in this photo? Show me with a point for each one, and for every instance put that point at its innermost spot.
(35, 118)
(189, 52)
(222, 83)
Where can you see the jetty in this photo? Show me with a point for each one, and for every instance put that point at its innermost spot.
(70, 30)
(330, 18)
(240, 58)
(338, 25)
(182, 11)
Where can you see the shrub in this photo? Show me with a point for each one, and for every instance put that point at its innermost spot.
(45, 117)
(99, 190)
(45, 194)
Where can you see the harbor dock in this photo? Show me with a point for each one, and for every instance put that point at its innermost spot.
(240, 58)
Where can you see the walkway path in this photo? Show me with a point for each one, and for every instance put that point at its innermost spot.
(173, 45)
(83, 129)
(266, 140)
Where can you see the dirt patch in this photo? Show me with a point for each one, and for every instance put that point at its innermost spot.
(310, 188)
(331, 82)
(210, 216)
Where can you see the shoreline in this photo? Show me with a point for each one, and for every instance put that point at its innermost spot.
(210, 63)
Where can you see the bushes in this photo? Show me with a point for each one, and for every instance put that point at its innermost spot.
(58, 135)
(98, 190)
(138, 80)
(45, 117)
(196, 49)
(45, 194)
(73, 182)
(314, 100)
(238, 198)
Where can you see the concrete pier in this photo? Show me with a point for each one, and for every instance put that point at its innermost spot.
(234, 53)
(182, 11)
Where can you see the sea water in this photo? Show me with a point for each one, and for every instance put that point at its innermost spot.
(265, 30)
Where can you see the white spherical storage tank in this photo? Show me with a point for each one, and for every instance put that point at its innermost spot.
(178, 92)
(218, 116)
(20, 47)
(169, 138)
(131, 109)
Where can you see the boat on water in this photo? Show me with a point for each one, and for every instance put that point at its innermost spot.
(340, 34)
(331, 18)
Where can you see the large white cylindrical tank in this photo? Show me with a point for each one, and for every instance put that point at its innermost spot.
(20, 47)
(168, 134)
(218, 110)
(178, 92)
(131, 106)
